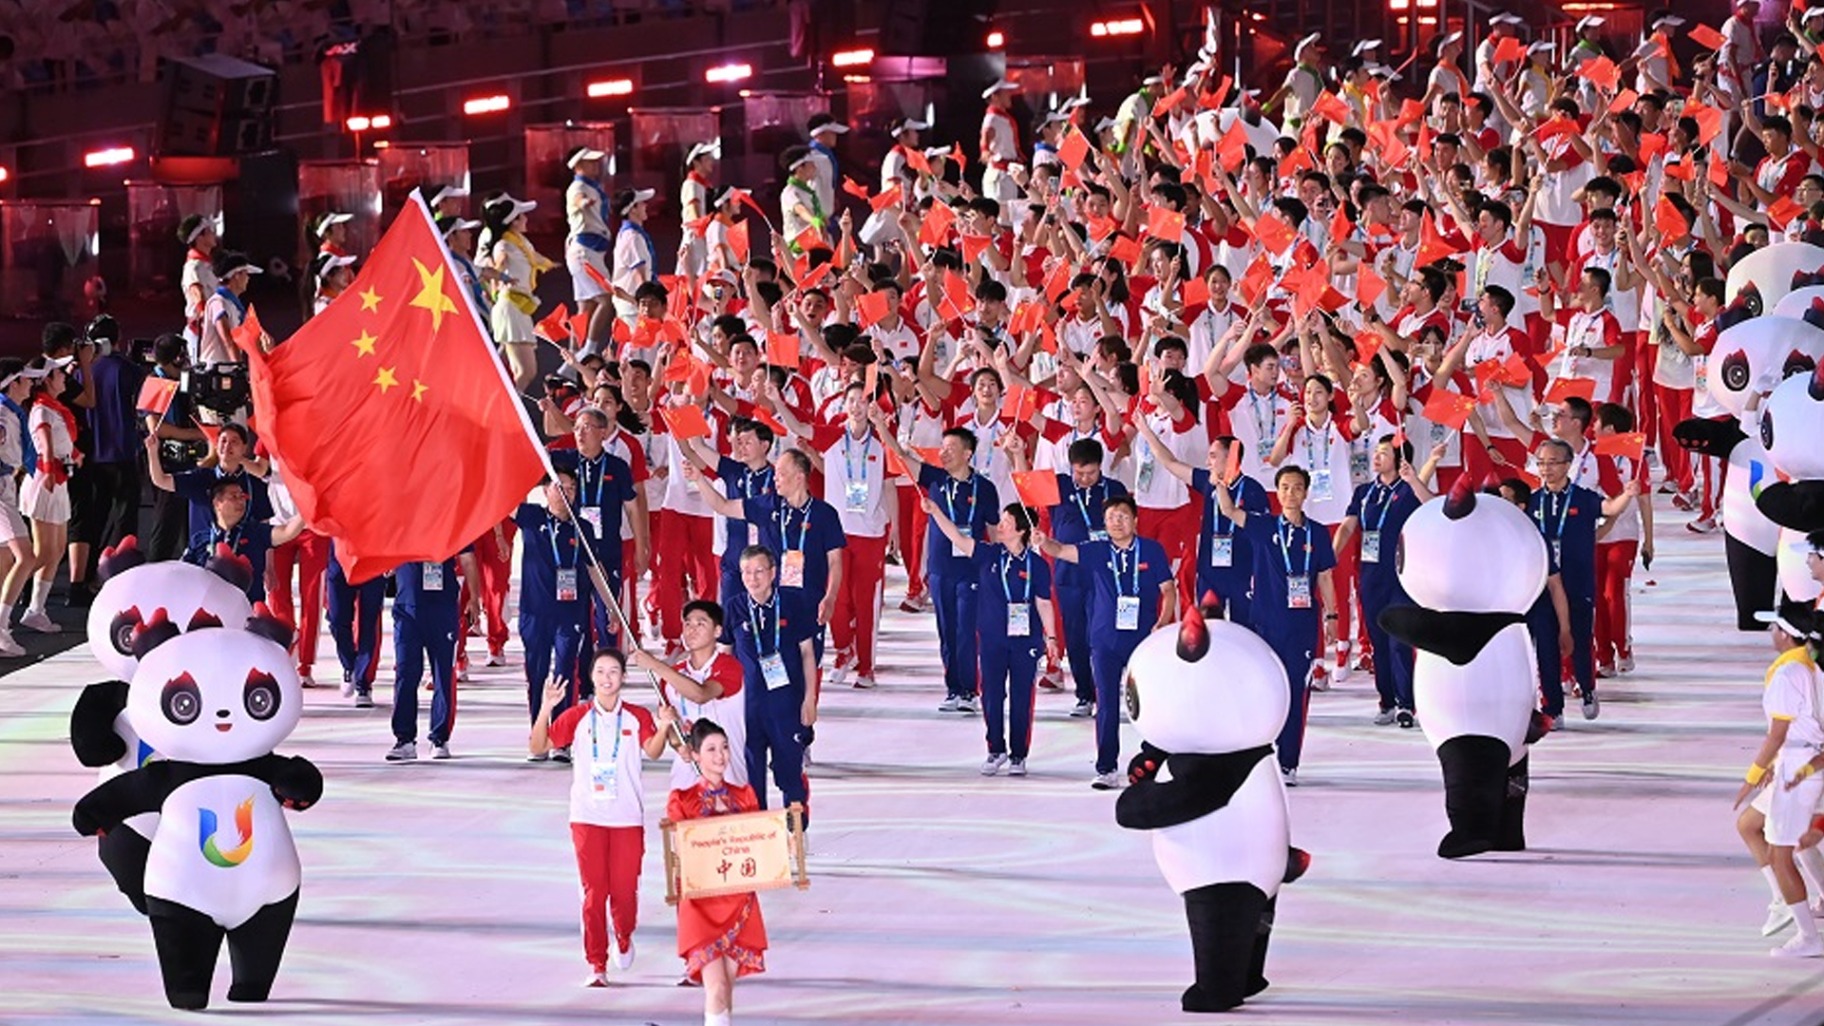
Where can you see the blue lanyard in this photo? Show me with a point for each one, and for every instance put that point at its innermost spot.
(1114, 566)
(552, 526)
(595, 748)
(1285, 532)
(583, 466)
(748, 490)
(232, 536)
(804, 523)
(835, 168)
(1025, 574)
(1563, 507)
(975, 482)
(754, 619)
(1077, 495)
(1235, 494)
(1270, 429)
(857, 471)
(1388, 494)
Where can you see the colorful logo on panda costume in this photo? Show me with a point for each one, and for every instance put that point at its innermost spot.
(243, 824)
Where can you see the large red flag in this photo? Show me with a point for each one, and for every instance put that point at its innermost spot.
(401, 436)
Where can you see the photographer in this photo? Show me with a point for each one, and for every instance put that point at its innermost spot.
(228, 461)
(181, 446)
(113, 464)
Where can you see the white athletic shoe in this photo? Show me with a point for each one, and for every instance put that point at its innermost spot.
(39, 621)
(496, 659)
(623, 960)
(864, 683)
(1110, 781)
(596, 978)
(993, 764)
(1017, 768)
(1800, 946)
(1384, 717)
(1779, 917)
(9, 646)
(440, 749)
(1342, 661)
(404, 751)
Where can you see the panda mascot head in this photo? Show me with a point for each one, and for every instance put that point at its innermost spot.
(1208, 687)
(1471, 553)
(1801, 299)
(132, 588)
(1791, 429)
(1751, 357)
(215, 695)
(1766, 275)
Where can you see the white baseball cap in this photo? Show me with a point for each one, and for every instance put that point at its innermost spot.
(907, 125)
(333, 262)
(324, 221)
(1591, 21)
(1454, 37)
(1542, 46)
(1505, 18)
(631, 197)
(1310, 40)
(1000, 85)
(712, 148)
(449, 192)
(1674, 21)
(585, 153)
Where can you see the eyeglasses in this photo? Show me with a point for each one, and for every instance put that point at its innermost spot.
(1552, 463)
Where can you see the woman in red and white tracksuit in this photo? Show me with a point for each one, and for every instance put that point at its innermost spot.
(1316, 440)
(1167, 514)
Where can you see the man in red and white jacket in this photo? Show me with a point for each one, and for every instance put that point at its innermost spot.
(1594, 348)
(1620, 540)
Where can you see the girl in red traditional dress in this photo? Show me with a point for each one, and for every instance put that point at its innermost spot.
(720, 939)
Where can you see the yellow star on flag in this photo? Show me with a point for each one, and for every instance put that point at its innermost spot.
(386, 380)
(365, 344)
(432, 297)
(418, 389)
(370, 300)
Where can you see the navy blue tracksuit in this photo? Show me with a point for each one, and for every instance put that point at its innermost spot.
(776, 628)
(354, 622)
(1381, 511)
(739, 481)
(551, 627)
(427, 611)
(1225, 556)
(972, 505)
(1075, 520)
(1138, 573)
(1284, 554)
(1567, 519)
(603, 486)
(1009, 662)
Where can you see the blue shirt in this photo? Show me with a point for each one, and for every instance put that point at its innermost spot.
(813, 529)
(196, 484)
(972, 505)
(410, 595)
(1251, 498)
(114, 421)
(781, 625)
(739, 481)
(1282, 552)
(603, 486)
(548, 545)
(249, 539)
(1567, 519)
(1078, 517)
(1004, 580)
(1137, 571)
(1381, 510)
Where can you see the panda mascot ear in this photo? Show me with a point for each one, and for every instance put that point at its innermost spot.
(1193, 636)
(269, 625)
(1814, 314)
(118, 559)
(92, 723)
(157, 630)
(200, 619)
(1210, 605)
(1462, 499)
(236, 570)
(1738, 311)
(1806, 279)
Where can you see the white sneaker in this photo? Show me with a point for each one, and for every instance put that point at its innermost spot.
(39, 621)
(495, 659)
(1625, 664)
(1017, 768)
(404, 751)
(440, 749)
(951, 703)
(462, 677)
(623, 960)
(966, 704)
(1779, 917)
(1800, 946)
(864, 683)
(348, 686)
(1319, 677)
(305, 680)
(1592, 706)
(9, 646)
(1384, 717)
(1342, 661)
(994, 763)
(1110, 781)
(540, 757)
(839, 675)
(596, 978)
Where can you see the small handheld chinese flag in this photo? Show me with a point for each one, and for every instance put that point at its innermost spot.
(685, 422)
(155, 395)
(1632, 445)
(782, 349)
(1565, 388)
(1037, 488)
(1451, 409)
(873, 307)
(1074, 149)
(1707, 37)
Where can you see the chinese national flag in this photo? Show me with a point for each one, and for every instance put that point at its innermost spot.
(1369, 287)
(1449, 408)
(401, 436)
(1074, 149)
(1707, 37)
(1603, 73)
(1509, 50)
(1633, 446)
(1330, 108)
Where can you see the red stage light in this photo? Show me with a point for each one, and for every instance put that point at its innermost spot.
(851, 58)
(487, 104)
(611, 87)
(996, 40)
(729, 73)
(108, 157)
(1117, 27)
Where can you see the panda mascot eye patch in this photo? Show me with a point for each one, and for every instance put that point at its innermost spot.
(182, 701)
(1735, 372)
(261, 695)
(120, 630)
(1132, 693)
(1797, 362)
(1767, 430)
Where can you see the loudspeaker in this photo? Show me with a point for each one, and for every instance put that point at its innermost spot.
(217, 106)
(928, 28)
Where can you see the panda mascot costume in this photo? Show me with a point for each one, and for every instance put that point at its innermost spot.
(1208, 698)
(133, 594)
(1765, 276)
(213, 703)
(1791, 429)
(1752, 355)
(1473, 565)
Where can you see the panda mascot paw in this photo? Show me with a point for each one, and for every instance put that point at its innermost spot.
(1209, 698)
(213, 702)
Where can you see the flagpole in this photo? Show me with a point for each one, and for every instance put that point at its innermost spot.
(596, 574)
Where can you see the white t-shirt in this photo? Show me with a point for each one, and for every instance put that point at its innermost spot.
(1792, 695)
(729, 712)
(1324, 453)
(605, 762)
(1158, 488)
(862, 461)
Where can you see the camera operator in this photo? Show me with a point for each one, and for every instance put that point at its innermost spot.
(181, 447)
(228, 461)
(113, 461)
(61, 342)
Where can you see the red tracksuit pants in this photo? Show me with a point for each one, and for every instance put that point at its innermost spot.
(608, 861)
(912, 522)
(864, 563)
(1614, 574)
(494, 559)
(309, 553)
(686, 551)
